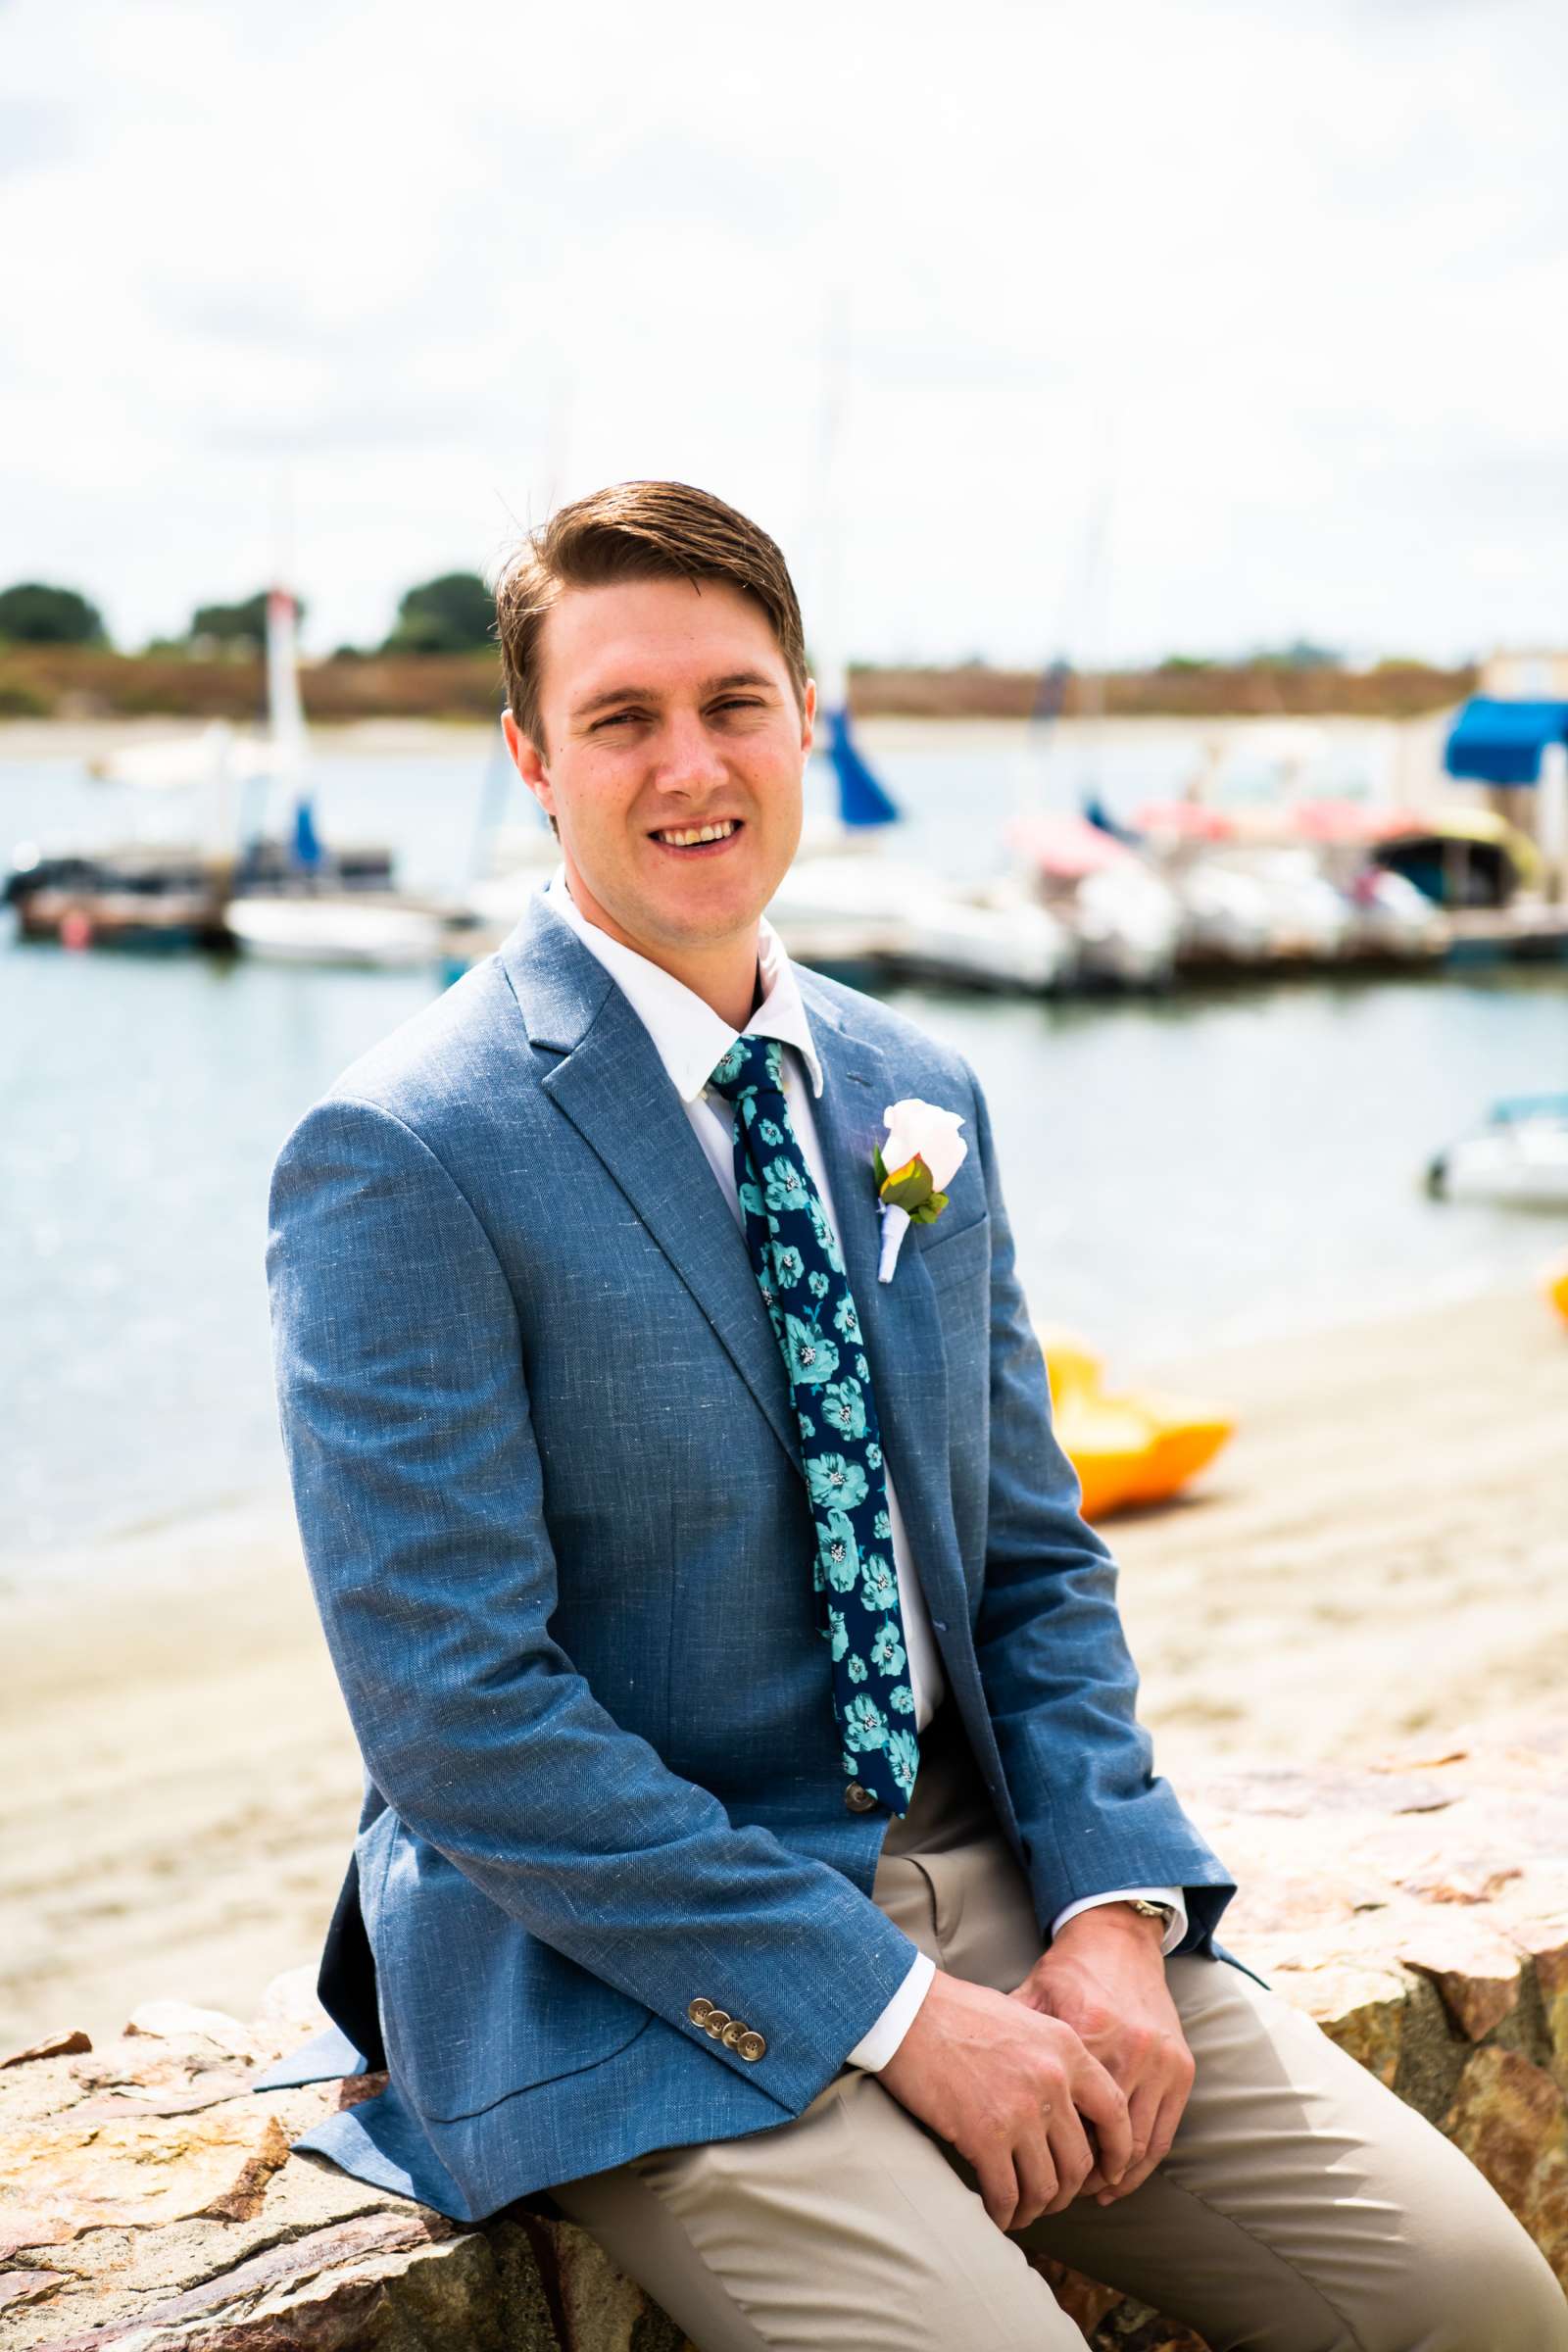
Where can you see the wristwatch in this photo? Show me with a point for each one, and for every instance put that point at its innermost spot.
(1145, 1909)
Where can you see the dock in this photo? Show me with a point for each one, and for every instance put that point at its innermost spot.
(1530, 931)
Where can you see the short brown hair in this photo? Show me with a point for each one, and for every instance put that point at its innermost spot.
(636, 531)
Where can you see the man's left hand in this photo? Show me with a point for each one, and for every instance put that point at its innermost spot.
(1104, 1977)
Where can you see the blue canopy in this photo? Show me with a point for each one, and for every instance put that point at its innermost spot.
(861, 798)
(1500, 742)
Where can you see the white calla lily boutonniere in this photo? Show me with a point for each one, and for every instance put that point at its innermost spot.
(914, 1168)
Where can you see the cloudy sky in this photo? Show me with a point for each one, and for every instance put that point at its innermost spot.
(1095, 325)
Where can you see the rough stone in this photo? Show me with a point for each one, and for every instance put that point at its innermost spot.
(140, 2172)
(27, 2286)
(180, 2021)
(1509, 2119)
(1544, 1943)
(53, 2045)
(1476, 1969)
(1362, 2009)
(1418, 1912)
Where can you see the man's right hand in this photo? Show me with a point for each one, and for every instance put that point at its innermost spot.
(1011, 2089)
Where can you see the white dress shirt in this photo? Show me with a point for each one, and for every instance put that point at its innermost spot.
(691, 1039)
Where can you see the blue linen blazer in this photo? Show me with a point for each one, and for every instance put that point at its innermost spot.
(550, 1493)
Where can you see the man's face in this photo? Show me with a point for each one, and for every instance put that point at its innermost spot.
(666, 709)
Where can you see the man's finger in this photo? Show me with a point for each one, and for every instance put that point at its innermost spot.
(998, 2188)
(1144, 2110)
(1164, 2132)
(1071, 2155)
(1097, 2097)
(1036, 2175)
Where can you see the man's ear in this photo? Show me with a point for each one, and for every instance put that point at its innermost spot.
(809, 717)
(528, 761)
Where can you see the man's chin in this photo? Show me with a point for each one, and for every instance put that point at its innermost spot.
(706, 909)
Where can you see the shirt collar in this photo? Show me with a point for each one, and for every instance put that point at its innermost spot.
(688, 1035)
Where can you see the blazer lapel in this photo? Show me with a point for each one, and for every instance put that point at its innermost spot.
(612, 1086)
(901, 1319)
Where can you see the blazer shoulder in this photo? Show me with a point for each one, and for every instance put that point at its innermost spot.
(446, 1071)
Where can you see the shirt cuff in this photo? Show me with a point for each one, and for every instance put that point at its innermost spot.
(1129, 1895)
(873, 2050)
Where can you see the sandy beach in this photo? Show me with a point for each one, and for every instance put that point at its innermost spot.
(1380, 1556)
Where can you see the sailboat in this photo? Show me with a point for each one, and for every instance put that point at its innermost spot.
(846, 906)
(302, 902)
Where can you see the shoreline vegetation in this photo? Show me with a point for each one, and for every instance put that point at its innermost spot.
(83, 683)
(1380, 1556)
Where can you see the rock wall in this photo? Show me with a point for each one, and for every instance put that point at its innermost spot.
(148, 2201)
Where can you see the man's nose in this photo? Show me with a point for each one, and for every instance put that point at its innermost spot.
(689, 761)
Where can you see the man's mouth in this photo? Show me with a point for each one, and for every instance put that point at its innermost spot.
(693, 840)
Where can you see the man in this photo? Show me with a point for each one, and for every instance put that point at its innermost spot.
(759, 1851)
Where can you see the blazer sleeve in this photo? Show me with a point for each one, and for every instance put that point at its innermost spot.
(1060, 1684)
(420, 1496)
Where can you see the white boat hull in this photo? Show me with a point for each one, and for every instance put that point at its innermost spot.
(347, 930)
(1523, 1165)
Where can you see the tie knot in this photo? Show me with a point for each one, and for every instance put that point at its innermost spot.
(752, 1066)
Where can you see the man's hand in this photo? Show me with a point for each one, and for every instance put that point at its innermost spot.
(1009, 2087)
(1104, 1977)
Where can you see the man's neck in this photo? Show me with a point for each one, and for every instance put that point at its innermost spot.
(727, 976)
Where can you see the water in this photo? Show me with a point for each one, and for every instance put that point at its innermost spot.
(1179, 1173)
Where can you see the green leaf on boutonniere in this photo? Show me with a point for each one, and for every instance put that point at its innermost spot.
(909, 1188)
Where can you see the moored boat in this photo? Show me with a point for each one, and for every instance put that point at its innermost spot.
(1519, 1160)
(137, 896)
(1124, 920)
(384, 928)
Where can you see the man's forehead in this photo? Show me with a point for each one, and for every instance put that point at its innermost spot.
(660, 634)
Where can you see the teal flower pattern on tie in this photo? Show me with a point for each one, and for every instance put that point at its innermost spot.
(801, 1276)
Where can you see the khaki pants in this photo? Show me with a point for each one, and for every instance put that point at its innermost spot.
(1302, 2209)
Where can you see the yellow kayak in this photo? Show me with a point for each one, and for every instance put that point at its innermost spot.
(1140, 1446)
(1557, 1289)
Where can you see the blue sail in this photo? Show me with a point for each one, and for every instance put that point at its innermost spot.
(307, 841)
(861, 798)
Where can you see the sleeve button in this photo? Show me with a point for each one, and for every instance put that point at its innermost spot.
(734, 2032)
(715, 2022)
(752, 2047)
(699, 2012)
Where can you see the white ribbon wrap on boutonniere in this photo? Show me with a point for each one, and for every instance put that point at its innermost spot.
(922, 1154)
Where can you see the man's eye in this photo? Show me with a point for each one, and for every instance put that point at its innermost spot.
(617, 719)
(741, 702)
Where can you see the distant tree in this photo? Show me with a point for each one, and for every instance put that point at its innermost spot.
(235, 624)
(453, 614)
(33, 614)
(1302, 654)
(1176, 664)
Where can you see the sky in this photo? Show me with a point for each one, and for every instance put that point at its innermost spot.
(1030, 327)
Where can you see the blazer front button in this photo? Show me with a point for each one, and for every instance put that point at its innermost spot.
(715, 2022)
(752, 2047)
(857, 1798)
(699, 2012)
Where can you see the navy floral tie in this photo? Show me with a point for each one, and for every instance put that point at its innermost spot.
(800, 1275)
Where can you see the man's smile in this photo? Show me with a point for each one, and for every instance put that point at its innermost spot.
(696, 840)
